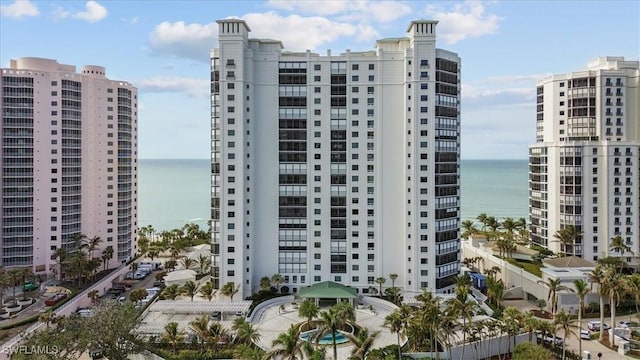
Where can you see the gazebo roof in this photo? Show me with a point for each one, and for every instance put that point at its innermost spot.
(328, 289)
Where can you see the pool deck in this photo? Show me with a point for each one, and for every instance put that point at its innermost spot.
(274, 322)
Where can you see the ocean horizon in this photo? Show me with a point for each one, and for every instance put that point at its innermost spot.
(173, 192)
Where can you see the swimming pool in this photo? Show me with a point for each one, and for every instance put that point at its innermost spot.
(325, 340)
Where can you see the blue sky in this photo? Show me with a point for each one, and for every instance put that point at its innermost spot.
(163, 46)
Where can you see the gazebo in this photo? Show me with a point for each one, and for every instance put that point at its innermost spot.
(328, 290)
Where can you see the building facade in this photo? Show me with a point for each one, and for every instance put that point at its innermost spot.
(585, 165)
(340, 167)
(69, 162)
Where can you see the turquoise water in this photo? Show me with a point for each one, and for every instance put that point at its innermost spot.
(325, 340)
(172, 192)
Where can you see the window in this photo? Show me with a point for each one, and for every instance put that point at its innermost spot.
(316, 67)
(316, 78)
(371, 77)
(371, 66)
(354, 66)
(354, 78)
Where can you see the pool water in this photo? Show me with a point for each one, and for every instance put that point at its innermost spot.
(325, 340)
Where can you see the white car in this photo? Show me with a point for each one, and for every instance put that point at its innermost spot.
(624, 324)
(585, 334)
(595, 326)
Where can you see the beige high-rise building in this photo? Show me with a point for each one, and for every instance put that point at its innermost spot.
(69, 162)
(584, 169)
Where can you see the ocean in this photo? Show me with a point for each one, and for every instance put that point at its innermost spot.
(174, 192)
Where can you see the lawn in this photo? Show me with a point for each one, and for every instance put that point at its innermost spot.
(528, 266)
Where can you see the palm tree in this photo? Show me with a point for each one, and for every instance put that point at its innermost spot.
(616, 287)
(5, 281)
(394, 322)
(93, 295)
(137, 295)
(482, 218)
(187, 262)
(204, 263)
(568, 236)
(48, 318)
(200, 327)
(173, 336)
(582, 289)
(277, 280)
(530, 324)
(362, 343)
(92, 244)
(230, 289)
(286, 346)
(333, 320)
(461, 307)
(189, 289)
(599, 275)
(393, 278)
(107, 254)
(634, 288)
(61, 255)
(565, 323)
(618, 245)
(217, 332)
(308, 309)
(312, 352)
(495, 291)
(468, 229)
(247, 352)
(511, 318)
(555, 287)
(14, 275)
(246, 333)
(207, 290)
(265, 283)
(171, 292)
(380, 280)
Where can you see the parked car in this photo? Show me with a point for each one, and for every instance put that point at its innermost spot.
(216, 316)
(85, 312)
(116, 290)
(624, 324)
(159, 284)
(55, 299)
(29, 286)
(595, 326)
(585, 334)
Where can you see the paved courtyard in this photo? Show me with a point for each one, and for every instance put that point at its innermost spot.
(272, 322)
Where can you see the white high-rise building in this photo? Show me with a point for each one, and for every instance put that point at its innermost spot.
(585, 166)
(337, 167)
(69, 162)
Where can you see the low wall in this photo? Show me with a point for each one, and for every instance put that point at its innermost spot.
(257, 312)
(485, 348)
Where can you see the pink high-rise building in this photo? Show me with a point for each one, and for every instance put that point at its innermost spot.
(69, 162)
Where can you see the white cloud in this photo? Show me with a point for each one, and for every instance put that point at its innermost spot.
(361, 10)
(191, 41)
(302, 33)
(193, 87)
(466, 20)
(517, 78)
(130, 21)
(94, 12)
(60, 13)
(18, 9)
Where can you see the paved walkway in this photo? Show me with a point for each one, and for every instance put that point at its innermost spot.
(272, 322)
